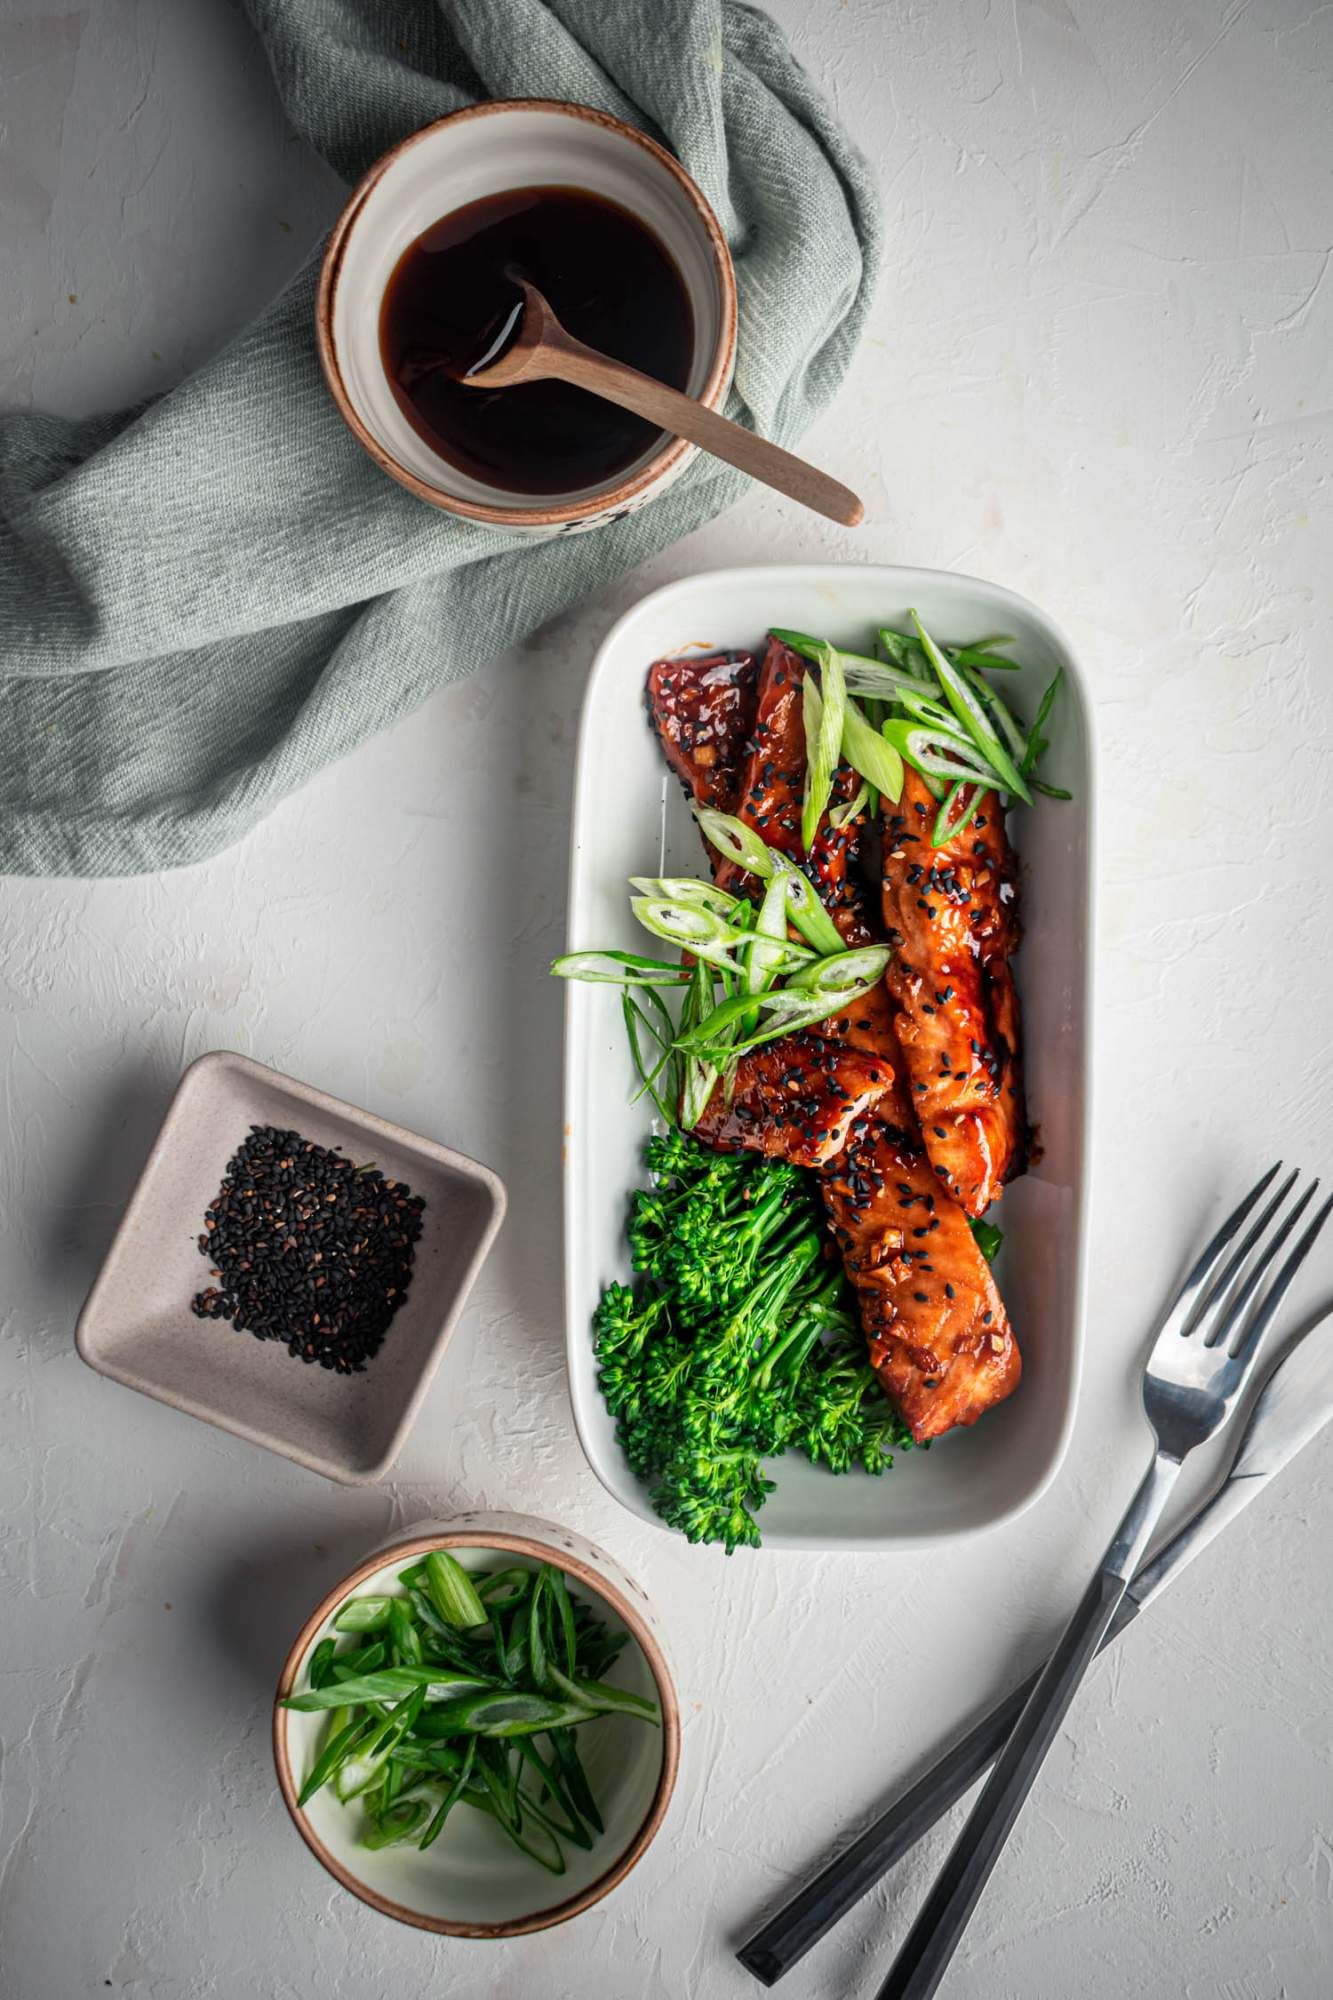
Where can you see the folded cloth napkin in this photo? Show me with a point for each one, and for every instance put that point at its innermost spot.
(188, 634)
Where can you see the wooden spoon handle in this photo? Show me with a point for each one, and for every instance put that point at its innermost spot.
(671, 411)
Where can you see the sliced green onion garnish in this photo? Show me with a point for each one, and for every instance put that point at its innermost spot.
(552, 1858)
(742, 845)
(343, 1738)
(902, 651)
(552, 1787)
(510, 1712)
(928, 708)
(361, 1660)
(698, 1078)
(770, 950)
(940, 758)
(617, 968)
(867, 752)
(1035, 743)
(972, 715)
(452, 1591)
(1005, 723)
(824, 713)
(863, 800)
(947, 820)
(406, 1640)
(390, 1684)
(700, 932)
(789, 1009)
(605, 1700)
(397, 1824)
(808, 914)
(452, 1796)
(320, 1670)
(981, 654)
(688, 889)
(362, 1614)
(663, 1032)
(359, 1771)
(708, 936)
(872, 680)
(989, 1238)
(863, 967)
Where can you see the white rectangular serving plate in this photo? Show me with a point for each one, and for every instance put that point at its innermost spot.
(631, 818)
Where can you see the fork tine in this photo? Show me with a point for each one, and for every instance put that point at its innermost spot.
(1218, 1289)
(1230, 1311)
(1262, 1316)
(1183, 1303)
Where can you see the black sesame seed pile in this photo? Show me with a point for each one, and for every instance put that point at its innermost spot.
(308, 1249)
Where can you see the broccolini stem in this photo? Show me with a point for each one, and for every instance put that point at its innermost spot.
(792, 1349)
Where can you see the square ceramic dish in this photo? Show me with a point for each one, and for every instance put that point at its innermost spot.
(137, 1326)
(630, 817)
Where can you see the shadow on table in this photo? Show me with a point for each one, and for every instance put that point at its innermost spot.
(75, 1227)
(260, 1598)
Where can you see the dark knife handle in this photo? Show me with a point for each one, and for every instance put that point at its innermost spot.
(799, 1925)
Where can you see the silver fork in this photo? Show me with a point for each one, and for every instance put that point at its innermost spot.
(1198, 1366)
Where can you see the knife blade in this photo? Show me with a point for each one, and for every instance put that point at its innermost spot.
(1293, 1406)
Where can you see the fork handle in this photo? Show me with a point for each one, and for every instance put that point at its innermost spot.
(930, 1944)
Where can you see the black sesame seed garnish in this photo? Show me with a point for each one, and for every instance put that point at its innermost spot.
(308, 1249)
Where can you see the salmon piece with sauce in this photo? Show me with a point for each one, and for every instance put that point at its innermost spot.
(938, 1334)
(795, 1099)
(951, 915)
(702, 708)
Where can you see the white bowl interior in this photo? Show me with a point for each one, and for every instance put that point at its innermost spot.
(630, 817)
(463, 161)
(473, 1874)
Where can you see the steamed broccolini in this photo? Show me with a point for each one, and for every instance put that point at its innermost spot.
(738, 1342)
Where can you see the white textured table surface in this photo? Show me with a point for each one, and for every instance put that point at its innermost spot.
(1098, 372)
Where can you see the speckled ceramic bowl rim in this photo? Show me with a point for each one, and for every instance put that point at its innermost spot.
(714, 389)
(592, 1580)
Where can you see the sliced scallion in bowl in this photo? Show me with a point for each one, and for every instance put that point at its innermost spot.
(470, 1694)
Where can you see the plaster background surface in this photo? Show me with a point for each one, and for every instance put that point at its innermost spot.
(1099, 372)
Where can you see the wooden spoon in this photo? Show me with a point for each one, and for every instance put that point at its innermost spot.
(533, 346)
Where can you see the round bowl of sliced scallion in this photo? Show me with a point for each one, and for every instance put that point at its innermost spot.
(477, 1731)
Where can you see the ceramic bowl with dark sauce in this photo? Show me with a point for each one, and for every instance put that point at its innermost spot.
(418, 274)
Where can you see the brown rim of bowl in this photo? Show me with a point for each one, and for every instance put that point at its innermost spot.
(632, 1619)
(672, 453)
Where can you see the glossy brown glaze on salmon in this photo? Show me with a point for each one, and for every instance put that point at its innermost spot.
(770, 795)
(939, 1336)
(794, 1099)
(702, 709)
(950, 914)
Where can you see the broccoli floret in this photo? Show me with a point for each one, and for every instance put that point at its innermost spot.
(738, 1342)
(624, 1320)
(846, 1419)
(713, 1495)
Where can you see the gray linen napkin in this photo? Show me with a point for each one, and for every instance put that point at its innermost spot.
(185, 638)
